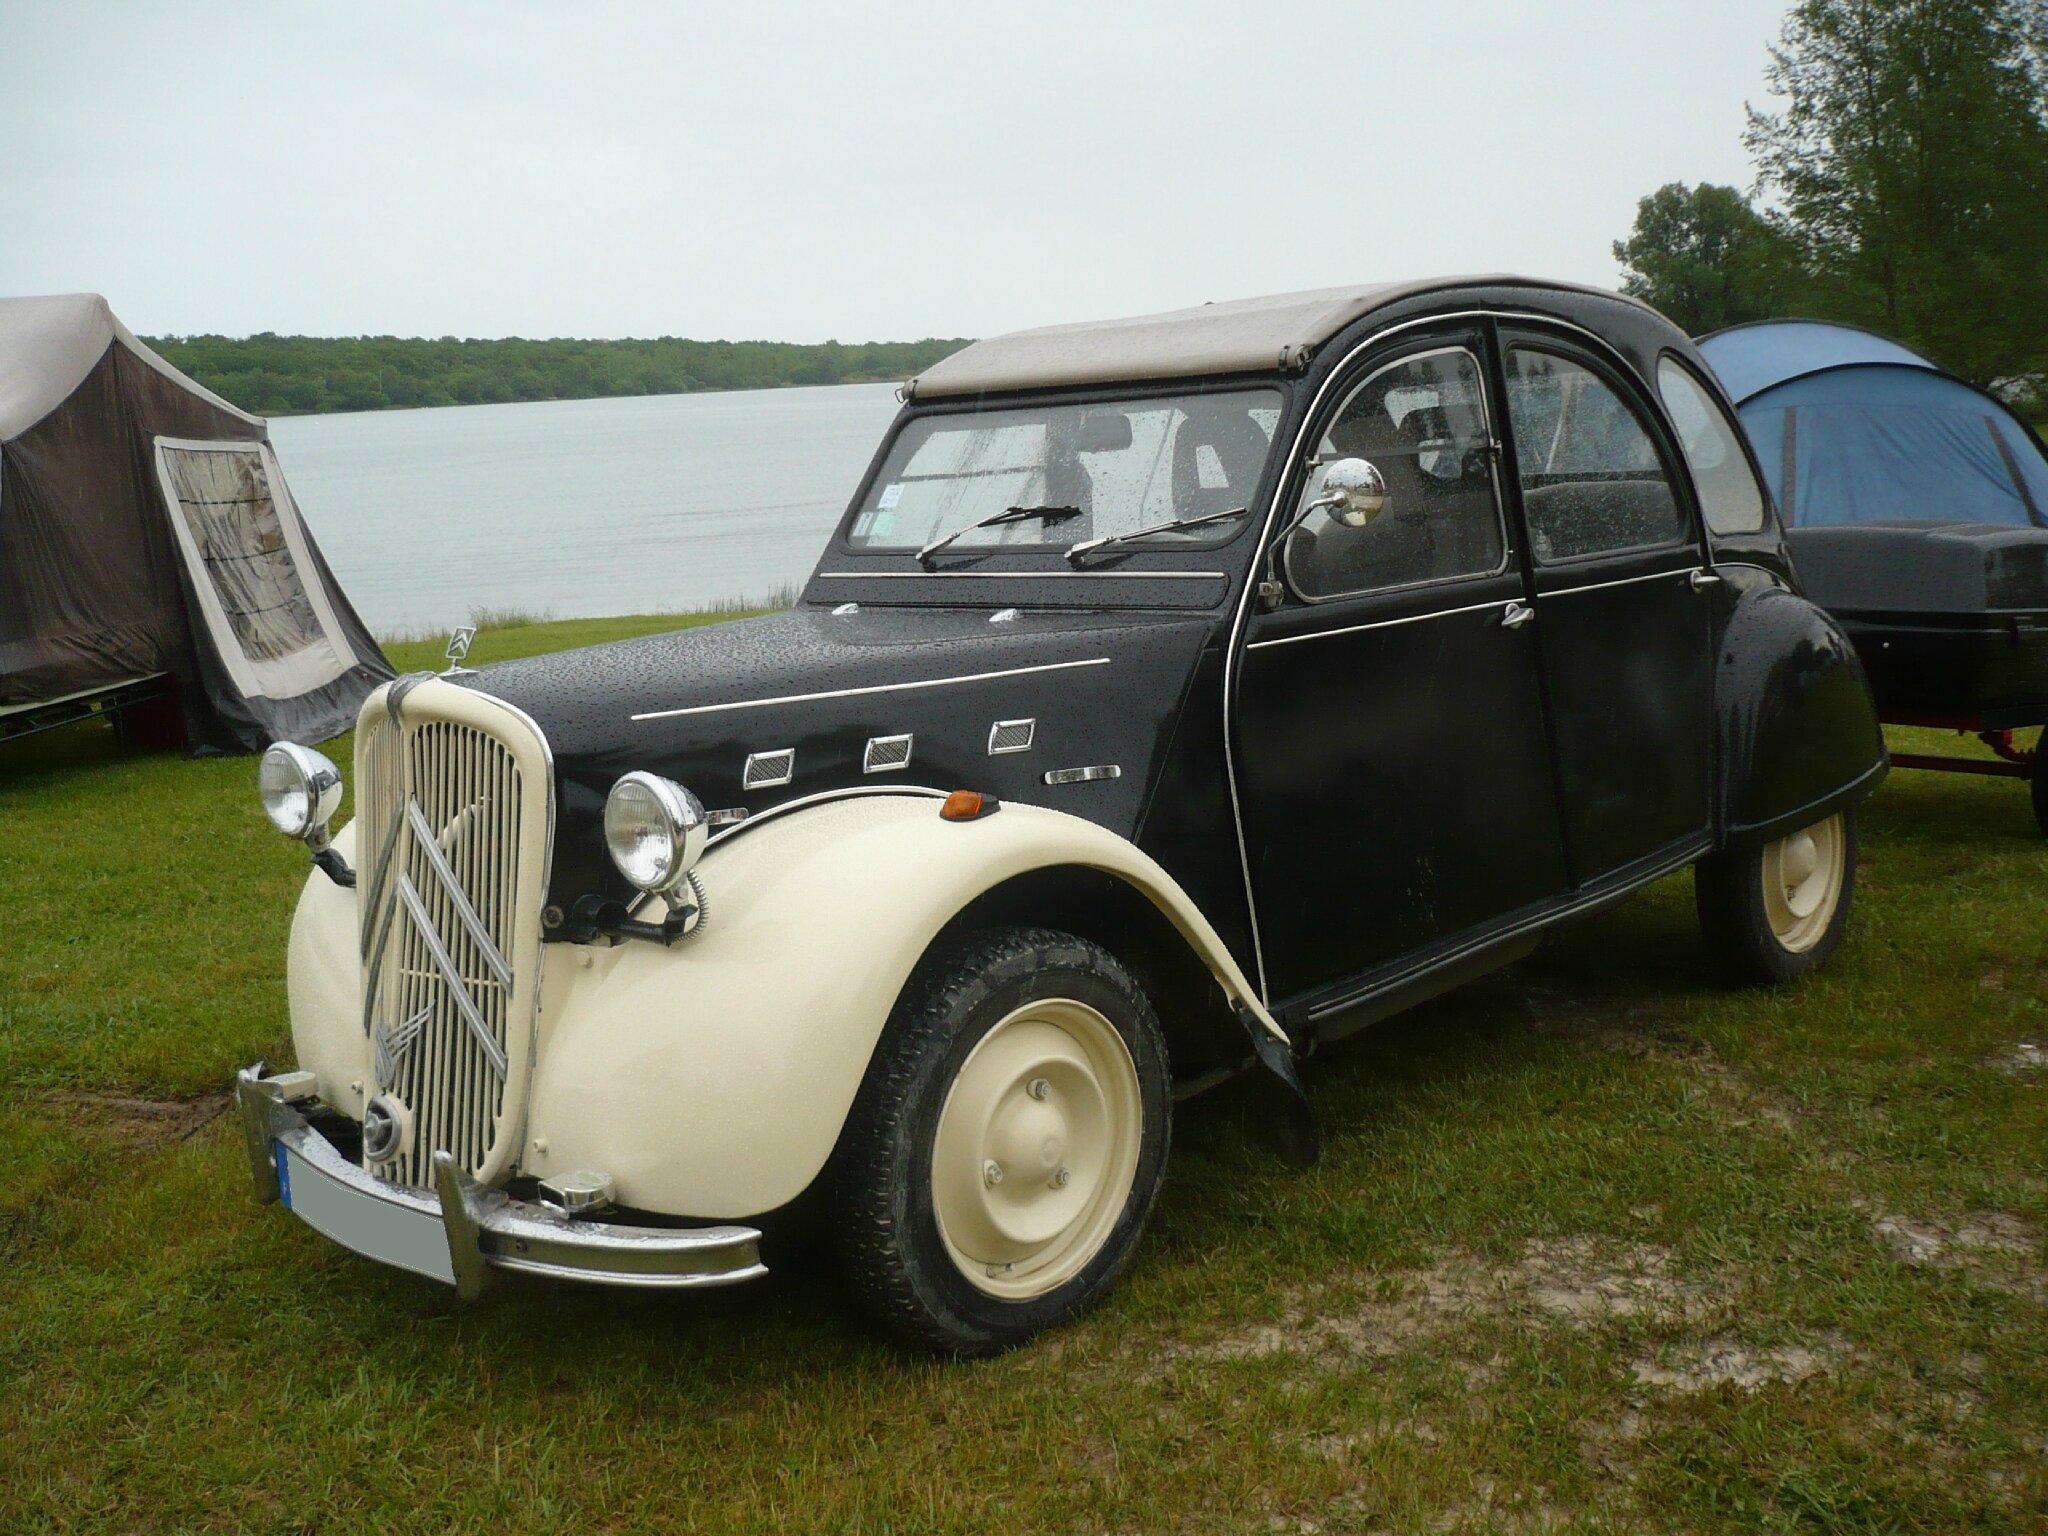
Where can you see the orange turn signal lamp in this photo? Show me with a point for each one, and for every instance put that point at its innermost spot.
(969, 805)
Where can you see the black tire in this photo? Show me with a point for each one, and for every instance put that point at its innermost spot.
(1729, 894)
(2040, 781)
(884, 1208)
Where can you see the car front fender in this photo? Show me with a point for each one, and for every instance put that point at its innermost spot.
(711, 1078)
(1799, 737)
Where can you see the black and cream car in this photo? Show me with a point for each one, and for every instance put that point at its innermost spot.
(1176, 695)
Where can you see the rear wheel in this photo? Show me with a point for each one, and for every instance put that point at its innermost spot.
(1775, 910)
(1007, 1143)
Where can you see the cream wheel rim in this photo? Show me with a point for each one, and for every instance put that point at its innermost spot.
(1803, 883)
(1037, 1148)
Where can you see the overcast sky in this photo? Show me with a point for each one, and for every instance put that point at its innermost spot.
(797, 172)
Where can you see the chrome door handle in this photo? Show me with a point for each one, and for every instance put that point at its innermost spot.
(1515, 615)
(1699, 579)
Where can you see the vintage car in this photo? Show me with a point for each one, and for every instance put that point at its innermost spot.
(1176, 695)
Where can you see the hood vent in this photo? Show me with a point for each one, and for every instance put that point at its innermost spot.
(1007, 736)
(765, 770)
(886, 754)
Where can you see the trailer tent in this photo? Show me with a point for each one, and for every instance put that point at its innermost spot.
(147, 532)
(1851, 428)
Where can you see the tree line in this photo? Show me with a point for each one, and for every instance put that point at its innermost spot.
(1901, 184)
(303, 375)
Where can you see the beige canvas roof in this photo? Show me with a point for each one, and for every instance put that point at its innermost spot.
(49, 344)
(1241, 336)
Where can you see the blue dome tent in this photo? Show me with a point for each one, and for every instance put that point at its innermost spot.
(1917, 509)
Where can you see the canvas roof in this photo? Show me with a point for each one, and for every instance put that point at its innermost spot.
(1240, 336)
(49, 344)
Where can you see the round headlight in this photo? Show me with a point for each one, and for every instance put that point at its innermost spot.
(301, 790)
(654, 829)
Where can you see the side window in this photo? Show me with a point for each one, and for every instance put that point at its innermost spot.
(1729, 495)
(1422, 423)
(1591, 481)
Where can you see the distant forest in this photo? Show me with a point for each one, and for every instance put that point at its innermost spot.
(303, 375)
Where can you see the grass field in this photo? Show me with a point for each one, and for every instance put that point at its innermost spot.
(1595, 1246)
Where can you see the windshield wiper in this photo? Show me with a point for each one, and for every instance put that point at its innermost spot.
(1007, 515)
(1088, 546)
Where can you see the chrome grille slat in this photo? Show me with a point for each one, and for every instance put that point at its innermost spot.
(449, 946)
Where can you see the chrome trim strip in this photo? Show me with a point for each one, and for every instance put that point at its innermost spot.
(1236, 647)
(1625, 581)
(458, 988)
(430, 846)
(1352, 629)
(1751, 565)
(1088, 775)
(1025, 575)
(769, 813)
(849, 693)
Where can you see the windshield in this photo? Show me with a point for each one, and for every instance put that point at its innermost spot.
(1123, 464)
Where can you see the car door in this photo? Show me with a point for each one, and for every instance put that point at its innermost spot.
(1395, 785)
(1622, 615)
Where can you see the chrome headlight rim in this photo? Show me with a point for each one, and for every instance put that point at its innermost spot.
(640, 802)
(300, 790)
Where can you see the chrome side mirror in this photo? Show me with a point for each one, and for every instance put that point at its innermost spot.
(1354, 493)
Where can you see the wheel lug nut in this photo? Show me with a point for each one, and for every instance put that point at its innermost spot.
(1038, 1087)
(1059, 1180)
(992, 1171)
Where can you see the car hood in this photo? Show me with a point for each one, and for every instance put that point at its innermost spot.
(1101, 691)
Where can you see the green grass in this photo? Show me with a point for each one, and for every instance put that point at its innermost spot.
(1595, 1246)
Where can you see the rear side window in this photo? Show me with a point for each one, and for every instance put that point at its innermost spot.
(1729, 494)
(1592, 483)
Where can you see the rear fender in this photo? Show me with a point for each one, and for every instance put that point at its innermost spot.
(1798, 730)
(711, 1079)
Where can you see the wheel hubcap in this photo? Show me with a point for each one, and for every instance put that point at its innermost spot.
(1802, 875)
(1037, 1148)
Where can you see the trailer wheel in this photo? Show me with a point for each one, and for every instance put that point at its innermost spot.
(1775, 910)
(2040, 781)
(1007, 1143)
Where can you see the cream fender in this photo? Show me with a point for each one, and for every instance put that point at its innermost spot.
(711, 1079)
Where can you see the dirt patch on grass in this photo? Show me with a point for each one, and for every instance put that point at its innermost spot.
(139, 1122)
(1994, 1248)
(1722, 1362)
(1575, 1282)
(2020, 1059)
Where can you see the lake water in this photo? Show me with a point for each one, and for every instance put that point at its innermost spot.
(579, 508)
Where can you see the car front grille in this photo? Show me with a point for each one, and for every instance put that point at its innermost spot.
(452, 851)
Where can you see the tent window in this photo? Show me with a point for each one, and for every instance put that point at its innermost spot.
(1729, 494)
(228, 509)
(246, 553)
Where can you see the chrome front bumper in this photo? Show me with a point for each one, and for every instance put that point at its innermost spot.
(462, 1231)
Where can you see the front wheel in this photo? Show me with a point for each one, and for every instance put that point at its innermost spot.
(1007, 1143)
(1772, 911)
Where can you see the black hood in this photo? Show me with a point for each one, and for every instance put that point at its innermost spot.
(1102, 689)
